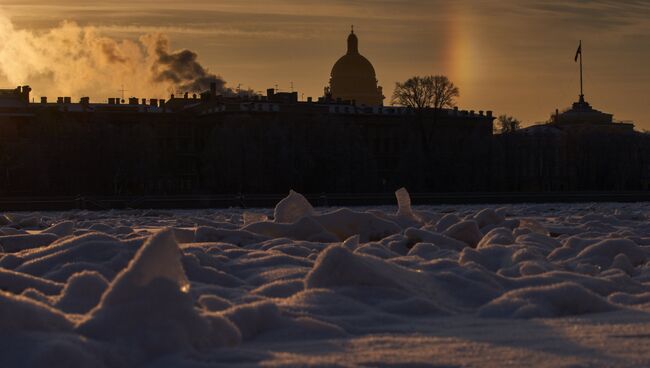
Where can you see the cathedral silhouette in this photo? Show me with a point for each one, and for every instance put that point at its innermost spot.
(353, 77)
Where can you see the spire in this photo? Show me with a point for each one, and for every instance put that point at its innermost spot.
(353, 43)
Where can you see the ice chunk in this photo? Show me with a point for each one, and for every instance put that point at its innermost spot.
(19, 314)
(603, 252)
(305, 228)
(533, 226)
(563, 299)
(292, 208)
(254, 318)
(149, 300)
(16, 243)
(61, 229)
(446, 221)
(280, 288)
(488, 216)
(253, 217)
(465, 231)
(214, 303)
(337, 266)
(237, 237)
(16, 282)
(344, 223)
(404, 204)
(82, 292)
(499, 235)
(442, 241)
(352, 242)
(424, 250)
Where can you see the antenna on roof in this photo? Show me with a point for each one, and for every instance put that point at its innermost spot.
(291, 86)
(122, 90)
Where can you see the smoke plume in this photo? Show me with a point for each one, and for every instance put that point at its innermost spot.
(72, 60)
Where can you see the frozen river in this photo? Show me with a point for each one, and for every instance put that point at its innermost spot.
(545, 285)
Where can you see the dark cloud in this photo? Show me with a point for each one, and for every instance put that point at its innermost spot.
(594, 13)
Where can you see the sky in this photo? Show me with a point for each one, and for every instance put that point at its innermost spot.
(513, 57)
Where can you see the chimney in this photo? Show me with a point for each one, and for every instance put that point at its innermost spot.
(309, 99)
(133, 101)
(144, 101)
(153, 102)
(43, 100)
(84, 100)
(489, 113)
(25, 92)
(186, 95)
(270, 92)
(480, 112)
(194, 96)
(59, 100)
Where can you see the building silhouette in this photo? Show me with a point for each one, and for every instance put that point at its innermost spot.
(581, 113)
(353, 78)
(343, 142)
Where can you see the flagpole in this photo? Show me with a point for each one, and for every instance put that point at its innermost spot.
(582, 96)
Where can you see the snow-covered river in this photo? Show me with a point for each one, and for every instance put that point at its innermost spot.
(541, 285)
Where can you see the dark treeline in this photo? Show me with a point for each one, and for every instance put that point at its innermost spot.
(63, 153)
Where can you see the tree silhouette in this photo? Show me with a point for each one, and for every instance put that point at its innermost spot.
(435, 91)
(507, 124)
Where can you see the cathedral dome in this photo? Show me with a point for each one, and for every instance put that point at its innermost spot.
(353, 77)
(353, 64)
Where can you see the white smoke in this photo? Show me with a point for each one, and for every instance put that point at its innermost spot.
(71, 60)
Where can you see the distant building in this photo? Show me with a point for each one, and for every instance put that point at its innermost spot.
(582, 114)
(353, 78)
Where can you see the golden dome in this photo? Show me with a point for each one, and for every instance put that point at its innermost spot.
(353, 77)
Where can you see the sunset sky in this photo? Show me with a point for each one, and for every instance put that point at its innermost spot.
(510, 56)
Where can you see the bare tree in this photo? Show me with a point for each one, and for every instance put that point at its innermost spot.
(435, 91)
(507, 124)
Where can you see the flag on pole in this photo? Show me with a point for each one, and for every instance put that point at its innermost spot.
(578, 52)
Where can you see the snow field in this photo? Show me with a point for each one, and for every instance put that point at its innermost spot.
(296, 285)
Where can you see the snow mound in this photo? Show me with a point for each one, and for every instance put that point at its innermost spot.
(82, 292)
(488, 216)
(499, 235)
(337, 266)
(344, 223)
(19, 313)
(17, 282)
(604, 252)
(16, 243)
(254, 318)
(306, 228)
(292, 208)
(148, 306)
(465, 231)
(442, 241)
(563, 299)
(205, 234)
(61, 229)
